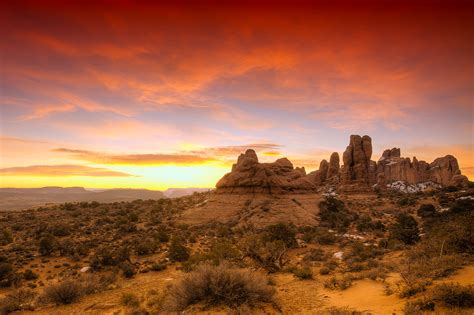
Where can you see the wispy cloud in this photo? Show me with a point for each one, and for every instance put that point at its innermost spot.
(61, 171)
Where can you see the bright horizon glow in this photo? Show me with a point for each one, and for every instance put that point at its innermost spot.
(145, 95)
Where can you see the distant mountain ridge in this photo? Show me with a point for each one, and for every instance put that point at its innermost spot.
(22, 198)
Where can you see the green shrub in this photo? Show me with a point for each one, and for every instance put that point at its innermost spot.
(7, 274)
(218, 285)
(128, 270)
(130, 300)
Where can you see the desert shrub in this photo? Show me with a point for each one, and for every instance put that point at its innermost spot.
(218, 285)
(30, 275)
(158, 267)
(60, 230)
(324, 271)
(145, 247)
(338, 283)
(366, 224)
(454, 295)
(320, 236)
(405, 229)
(107, 256)
(22, 299)
(47, 245)
(413, 287)
(407, 200)
(7, 274)
(426, 211)
(6, 237)
(130, 300)
(162, 236)
(419, 306)
(128, 270)
(95, 283)
(177, 251)
(302, 273)
(315, 254)
(333, 214)
(270, 255)
(66, 292)
(282, 232)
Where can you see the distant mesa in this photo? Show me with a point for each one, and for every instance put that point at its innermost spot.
(357, 173)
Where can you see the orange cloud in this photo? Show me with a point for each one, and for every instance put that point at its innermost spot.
(136, 159)
(61, 171)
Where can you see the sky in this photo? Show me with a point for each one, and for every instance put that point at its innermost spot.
(142, 94)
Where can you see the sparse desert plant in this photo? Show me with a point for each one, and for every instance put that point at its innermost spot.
(218, 285)
(177, 251)
(333, 214)
(21, 299)
(405, 229)
(324, 271)
(338, 283)
(315, 254)
(426, 211)
(6, 237)
(130, 300)
(128, 270)
(303, 273)
(281, 232)
(270, 255)
(30, 275)
(66, 292)
(419, 306)
(47, 245)
(454, 295)
(7, 274)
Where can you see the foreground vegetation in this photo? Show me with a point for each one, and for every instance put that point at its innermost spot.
(61, 254)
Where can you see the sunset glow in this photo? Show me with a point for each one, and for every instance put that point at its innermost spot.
(143, 95)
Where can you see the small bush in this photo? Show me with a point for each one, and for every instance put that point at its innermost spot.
(130, 300)
(454, 295)
(303, 273)
(282, 232)
(177, 251)
(426, 211)
(6, 237)
(158, 267)
(335, 283)
(315, 254)
(64, 293)
(419, 306)
(30, 275)
(47, 245)
(18, 300)
(333, 214)
(128, 270)
(405, 229)
(324, 271)
(218, 285)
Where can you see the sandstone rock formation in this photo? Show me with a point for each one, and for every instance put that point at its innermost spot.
(250, 176)
(358, 172)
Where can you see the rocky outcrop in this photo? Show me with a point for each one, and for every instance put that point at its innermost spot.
(250, 176)
(358, 172)
(444, 171)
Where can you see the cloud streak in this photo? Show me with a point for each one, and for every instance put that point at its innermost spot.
(61, 171)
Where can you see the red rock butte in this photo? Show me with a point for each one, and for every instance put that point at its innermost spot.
(358, 172)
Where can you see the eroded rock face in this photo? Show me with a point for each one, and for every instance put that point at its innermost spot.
(358, 172)
(358, 169)
(250, 176)
(444, 171)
